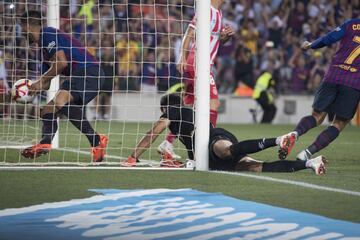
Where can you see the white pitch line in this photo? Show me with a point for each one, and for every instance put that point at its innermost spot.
(20, 168)
(87, 153)
(266, 178)
(144, 164)
(290, 182)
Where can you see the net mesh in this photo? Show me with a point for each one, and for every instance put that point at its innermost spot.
(137, 43)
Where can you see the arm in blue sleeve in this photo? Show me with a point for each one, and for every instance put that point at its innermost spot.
(50, 41)
(44, 68)
(331, 37)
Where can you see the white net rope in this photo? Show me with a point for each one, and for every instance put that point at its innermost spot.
(137, 43)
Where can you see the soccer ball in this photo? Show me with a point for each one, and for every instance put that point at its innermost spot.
(20, 91)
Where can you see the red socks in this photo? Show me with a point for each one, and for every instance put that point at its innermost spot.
(213, 117)
(170, 137)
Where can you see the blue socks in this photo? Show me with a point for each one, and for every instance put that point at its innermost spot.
(76, 116)
(49, 128)
(324, 139)
(305, 124)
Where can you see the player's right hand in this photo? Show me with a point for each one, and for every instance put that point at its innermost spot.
(305, 45)
(181, 65)
(35, 87)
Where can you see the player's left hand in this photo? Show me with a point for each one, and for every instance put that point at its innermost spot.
(305, 45)
(35, 87)
(226, 33)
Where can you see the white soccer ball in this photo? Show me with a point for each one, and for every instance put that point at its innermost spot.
(190, 164)
(20, 91)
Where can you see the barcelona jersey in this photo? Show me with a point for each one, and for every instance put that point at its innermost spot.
(53, 40)
(344, 68)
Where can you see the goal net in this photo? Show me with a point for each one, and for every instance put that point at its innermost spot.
(137, 43)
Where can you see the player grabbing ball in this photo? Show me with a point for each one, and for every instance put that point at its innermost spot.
(61, 54)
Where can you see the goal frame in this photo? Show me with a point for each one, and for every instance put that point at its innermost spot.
(202, 90)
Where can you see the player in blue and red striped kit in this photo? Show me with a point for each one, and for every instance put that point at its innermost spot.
(61, 54)
(339, 92)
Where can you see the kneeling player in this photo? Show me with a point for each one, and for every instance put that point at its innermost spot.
(64, 55)
(225, 152)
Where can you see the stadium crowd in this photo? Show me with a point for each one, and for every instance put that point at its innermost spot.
(138, 41)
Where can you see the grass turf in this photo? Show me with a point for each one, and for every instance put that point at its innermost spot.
(24, 188)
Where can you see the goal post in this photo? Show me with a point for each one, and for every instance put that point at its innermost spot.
(202, 89)
(53, 20)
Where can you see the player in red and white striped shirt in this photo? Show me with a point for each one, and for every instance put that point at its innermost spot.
(186, 66)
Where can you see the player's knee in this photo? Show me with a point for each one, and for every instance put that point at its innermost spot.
(319, 116)
(340, 123)
(61, 99)
(49, 108)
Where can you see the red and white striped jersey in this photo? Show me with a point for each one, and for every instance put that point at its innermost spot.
(216, 27)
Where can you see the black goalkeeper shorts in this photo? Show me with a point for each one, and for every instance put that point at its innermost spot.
(216, 163)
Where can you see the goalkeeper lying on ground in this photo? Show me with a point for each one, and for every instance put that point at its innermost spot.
(225, 152)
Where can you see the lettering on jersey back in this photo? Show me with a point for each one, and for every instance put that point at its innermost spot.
(356, 27)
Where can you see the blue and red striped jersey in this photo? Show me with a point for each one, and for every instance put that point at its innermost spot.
(53, 40)
(345, 64)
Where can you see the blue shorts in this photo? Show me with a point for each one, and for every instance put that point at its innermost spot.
(337, 99)
(84, 84)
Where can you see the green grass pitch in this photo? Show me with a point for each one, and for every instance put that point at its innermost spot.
(24, 188)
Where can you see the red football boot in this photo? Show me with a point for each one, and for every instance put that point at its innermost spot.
(98, 152)
(36, 151)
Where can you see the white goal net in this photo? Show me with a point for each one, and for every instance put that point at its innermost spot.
(137, 43)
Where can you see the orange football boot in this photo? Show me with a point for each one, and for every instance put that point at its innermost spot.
(36, 151)
(98, 152)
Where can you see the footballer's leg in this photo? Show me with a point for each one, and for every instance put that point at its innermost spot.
(166, 148)
(50, 125)
(214, 106)
(214, 101)
(85, 86)
(323, 100)
(49, 128)
(306, 123)
(252, 146)
(318, 165)
(75, 113)
(344, 107)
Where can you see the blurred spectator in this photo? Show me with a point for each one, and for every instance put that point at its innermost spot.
(166, 72)
(86, 11)
(122, 14)
(136, 29)
(262, 12)
(317, 72)
(276, 28)
(297, 18)
(250, 35)
(103, 100)
(4, 87)
(148, 74)
(300, 72)
(127, 51)
(244, 67)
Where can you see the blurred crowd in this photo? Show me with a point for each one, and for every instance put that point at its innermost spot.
(138, 41)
